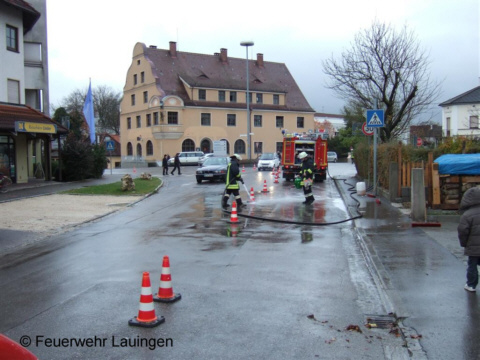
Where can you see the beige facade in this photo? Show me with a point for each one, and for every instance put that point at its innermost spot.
(175, 101)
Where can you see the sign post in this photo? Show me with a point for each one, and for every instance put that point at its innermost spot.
(375, 119)
(110, 146)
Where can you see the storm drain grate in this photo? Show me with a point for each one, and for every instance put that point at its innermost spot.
(380, 321)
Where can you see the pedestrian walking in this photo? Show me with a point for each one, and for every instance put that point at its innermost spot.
(306, 174)
(469, 234)
(232, 180)
(176, 164)
(165, 164)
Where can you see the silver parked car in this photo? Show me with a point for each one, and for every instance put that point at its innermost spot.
(332, 156)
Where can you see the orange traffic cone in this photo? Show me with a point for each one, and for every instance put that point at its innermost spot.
(233, 215)
(254, 167)
(276, 179)
(265, 190)
(243, 168)
(134, 170)
(165, 291)
(146, 313)
(252, 195)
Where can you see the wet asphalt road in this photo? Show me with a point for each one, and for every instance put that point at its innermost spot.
(260, 290)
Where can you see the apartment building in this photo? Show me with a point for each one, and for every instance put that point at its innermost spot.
(25, 127)
(179, 101)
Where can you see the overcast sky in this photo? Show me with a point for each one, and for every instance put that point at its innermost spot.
(95, 38)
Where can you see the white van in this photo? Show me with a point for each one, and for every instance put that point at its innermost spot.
(187, 158)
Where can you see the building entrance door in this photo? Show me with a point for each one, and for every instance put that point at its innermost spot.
(7, 157)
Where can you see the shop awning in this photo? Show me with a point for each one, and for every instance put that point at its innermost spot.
(23, 118)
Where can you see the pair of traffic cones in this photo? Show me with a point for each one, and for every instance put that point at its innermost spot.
(146, 313)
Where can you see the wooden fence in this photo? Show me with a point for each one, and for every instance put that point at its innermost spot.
(442, 191)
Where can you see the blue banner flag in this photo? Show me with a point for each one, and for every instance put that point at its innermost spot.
(89, 113)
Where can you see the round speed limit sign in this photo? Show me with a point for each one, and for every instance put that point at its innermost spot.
(367, 130)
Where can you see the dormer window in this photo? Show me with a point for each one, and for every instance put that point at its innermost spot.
(202, 94)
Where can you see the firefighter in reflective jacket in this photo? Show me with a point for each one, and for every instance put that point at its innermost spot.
(232, 180)
(307, 177)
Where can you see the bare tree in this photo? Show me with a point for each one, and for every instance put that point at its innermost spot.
(107, 105)
(387, 66)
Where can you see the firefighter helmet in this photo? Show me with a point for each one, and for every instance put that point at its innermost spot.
(302, 155)
(238, 157)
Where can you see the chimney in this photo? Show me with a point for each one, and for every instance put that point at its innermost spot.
(173, 49)
(223, 55)
(153, 46)
(260, 60)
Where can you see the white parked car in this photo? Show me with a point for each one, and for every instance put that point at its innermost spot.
(332, 156)
(268, 161)
(187, 158)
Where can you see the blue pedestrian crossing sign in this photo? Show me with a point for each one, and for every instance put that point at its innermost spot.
(110, 145)
(375, 118)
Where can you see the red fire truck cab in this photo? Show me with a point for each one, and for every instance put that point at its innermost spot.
(314, 144)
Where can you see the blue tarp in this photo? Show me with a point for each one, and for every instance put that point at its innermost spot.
(459, 164)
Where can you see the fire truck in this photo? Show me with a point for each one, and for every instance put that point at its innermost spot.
(314, 144)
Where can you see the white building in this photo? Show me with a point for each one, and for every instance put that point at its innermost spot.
(25, 127)
(460, 114)
(337, 122)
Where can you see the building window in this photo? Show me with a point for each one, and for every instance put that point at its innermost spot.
(233, 96)
(129, 149)
(474, 122)
(155, 118)
(139, 121)
(145, 97)
(149, 148)
(134, 79)
(231, 120)
(205, 119)
(13, 88)
(188, 145)
(276, 99)
(279, 147)
(142, 77)
(129, 123)
(12, 38)
(257, 120)
(258, 147)
(279, 121)
(448, 127)
(172, 118)
(139, 150)
(239, 147)
(259, 98)
(202, 94)
(300, 122)
(133, 99)
(221, 96)
(149, 119)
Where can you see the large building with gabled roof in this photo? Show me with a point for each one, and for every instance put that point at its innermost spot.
(179, 101)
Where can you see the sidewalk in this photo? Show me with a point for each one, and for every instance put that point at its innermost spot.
(422, 273)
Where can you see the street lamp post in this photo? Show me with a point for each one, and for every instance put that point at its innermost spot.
(249, 145)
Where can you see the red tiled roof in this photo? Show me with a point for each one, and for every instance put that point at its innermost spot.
(208, 71)
(9, 113)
